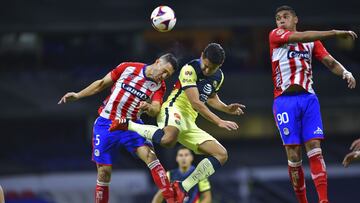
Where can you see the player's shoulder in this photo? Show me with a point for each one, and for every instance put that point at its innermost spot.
(277, 32)
(195, 64)
(131, 64)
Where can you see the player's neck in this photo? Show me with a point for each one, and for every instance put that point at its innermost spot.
(184, 169)
(149, 71)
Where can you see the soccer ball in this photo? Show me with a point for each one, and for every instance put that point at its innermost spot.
(163, 19)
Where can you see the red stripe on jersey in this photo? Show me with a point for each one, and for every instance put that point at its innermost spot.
(292, 65)
(132, 97)
(277, 78)
(303, 65)
(131, 100)
(121, 94)
(116, 104)
(136, 110)
(308, 76)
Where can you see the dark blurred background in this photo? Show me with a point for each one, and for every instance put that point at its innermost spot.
(49, 47)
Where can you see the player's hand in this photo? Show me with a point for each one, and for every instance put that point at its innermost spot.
(144, 106)
(235, 109)
(228, 125)
(351, 157)
(346, 34)
(350, 79)
(355, 146)
(68, 97)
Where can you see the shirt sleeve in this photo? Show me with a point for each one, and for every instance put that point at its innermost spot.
(204, 185)
(187, 77)
(116, 72)
(319, 50)
(159, 94)
(279, 36)
(217, 88)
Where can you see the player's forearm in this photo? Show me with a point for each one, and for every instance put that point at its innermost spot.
(204, 111)
(92, 89)
(310, 36)
(217, 104)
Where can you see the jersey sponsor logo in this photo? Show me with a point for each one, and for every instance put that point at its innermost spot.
(207, 89)
(188, 72)
(298, 54)
(134, 91)
(278, 79)
(186, 80)
(318, 131)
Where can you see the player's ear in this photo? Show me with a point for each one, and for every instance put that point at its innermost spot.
(296, 19)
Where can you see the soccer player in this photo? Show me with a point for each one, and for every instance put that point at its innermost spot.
(199, 194)
(137, 88)
(198, 83)
(354, 155)
(296, 107)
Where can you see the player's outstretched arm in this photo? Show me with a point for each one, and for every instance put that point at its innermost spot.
(158, 198)
(152, 109)
(338, 69)
(192, 94)
(234, 109)
(310, 36)
(92, 89)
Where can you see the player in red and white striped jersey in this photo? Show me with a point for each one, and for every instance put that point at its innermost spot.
(137, 88)
(296, 107)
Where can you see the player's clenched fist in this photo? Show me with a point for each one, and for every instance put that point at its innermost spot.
(70, 96)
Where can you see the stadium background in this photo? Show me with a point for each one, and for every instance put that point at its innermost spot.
(49, 47)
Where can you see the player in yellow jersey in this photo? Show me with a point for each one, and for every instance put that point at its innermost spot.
(198, 83)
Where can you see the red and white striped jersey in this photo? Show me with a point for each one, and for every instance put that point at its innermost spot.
(131, 86)
(291, 62)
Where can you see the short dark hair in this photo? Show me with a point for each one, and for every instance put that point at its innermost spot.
(214, 53)
(181, 147)
(285, 8)
(170, 58)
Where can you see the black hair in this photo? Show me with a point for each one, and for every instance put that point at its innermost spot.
(285, 8)
(170, 58)
(181, 147)
(214, 53)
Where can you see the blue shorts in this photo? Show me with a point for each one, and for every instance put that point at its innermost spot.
(298, 118)
(106, 144)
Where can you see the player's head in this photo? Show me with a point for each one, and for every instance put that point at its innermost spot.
(184, 157)
(164, 67)
(286, 18)
(212, 58)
